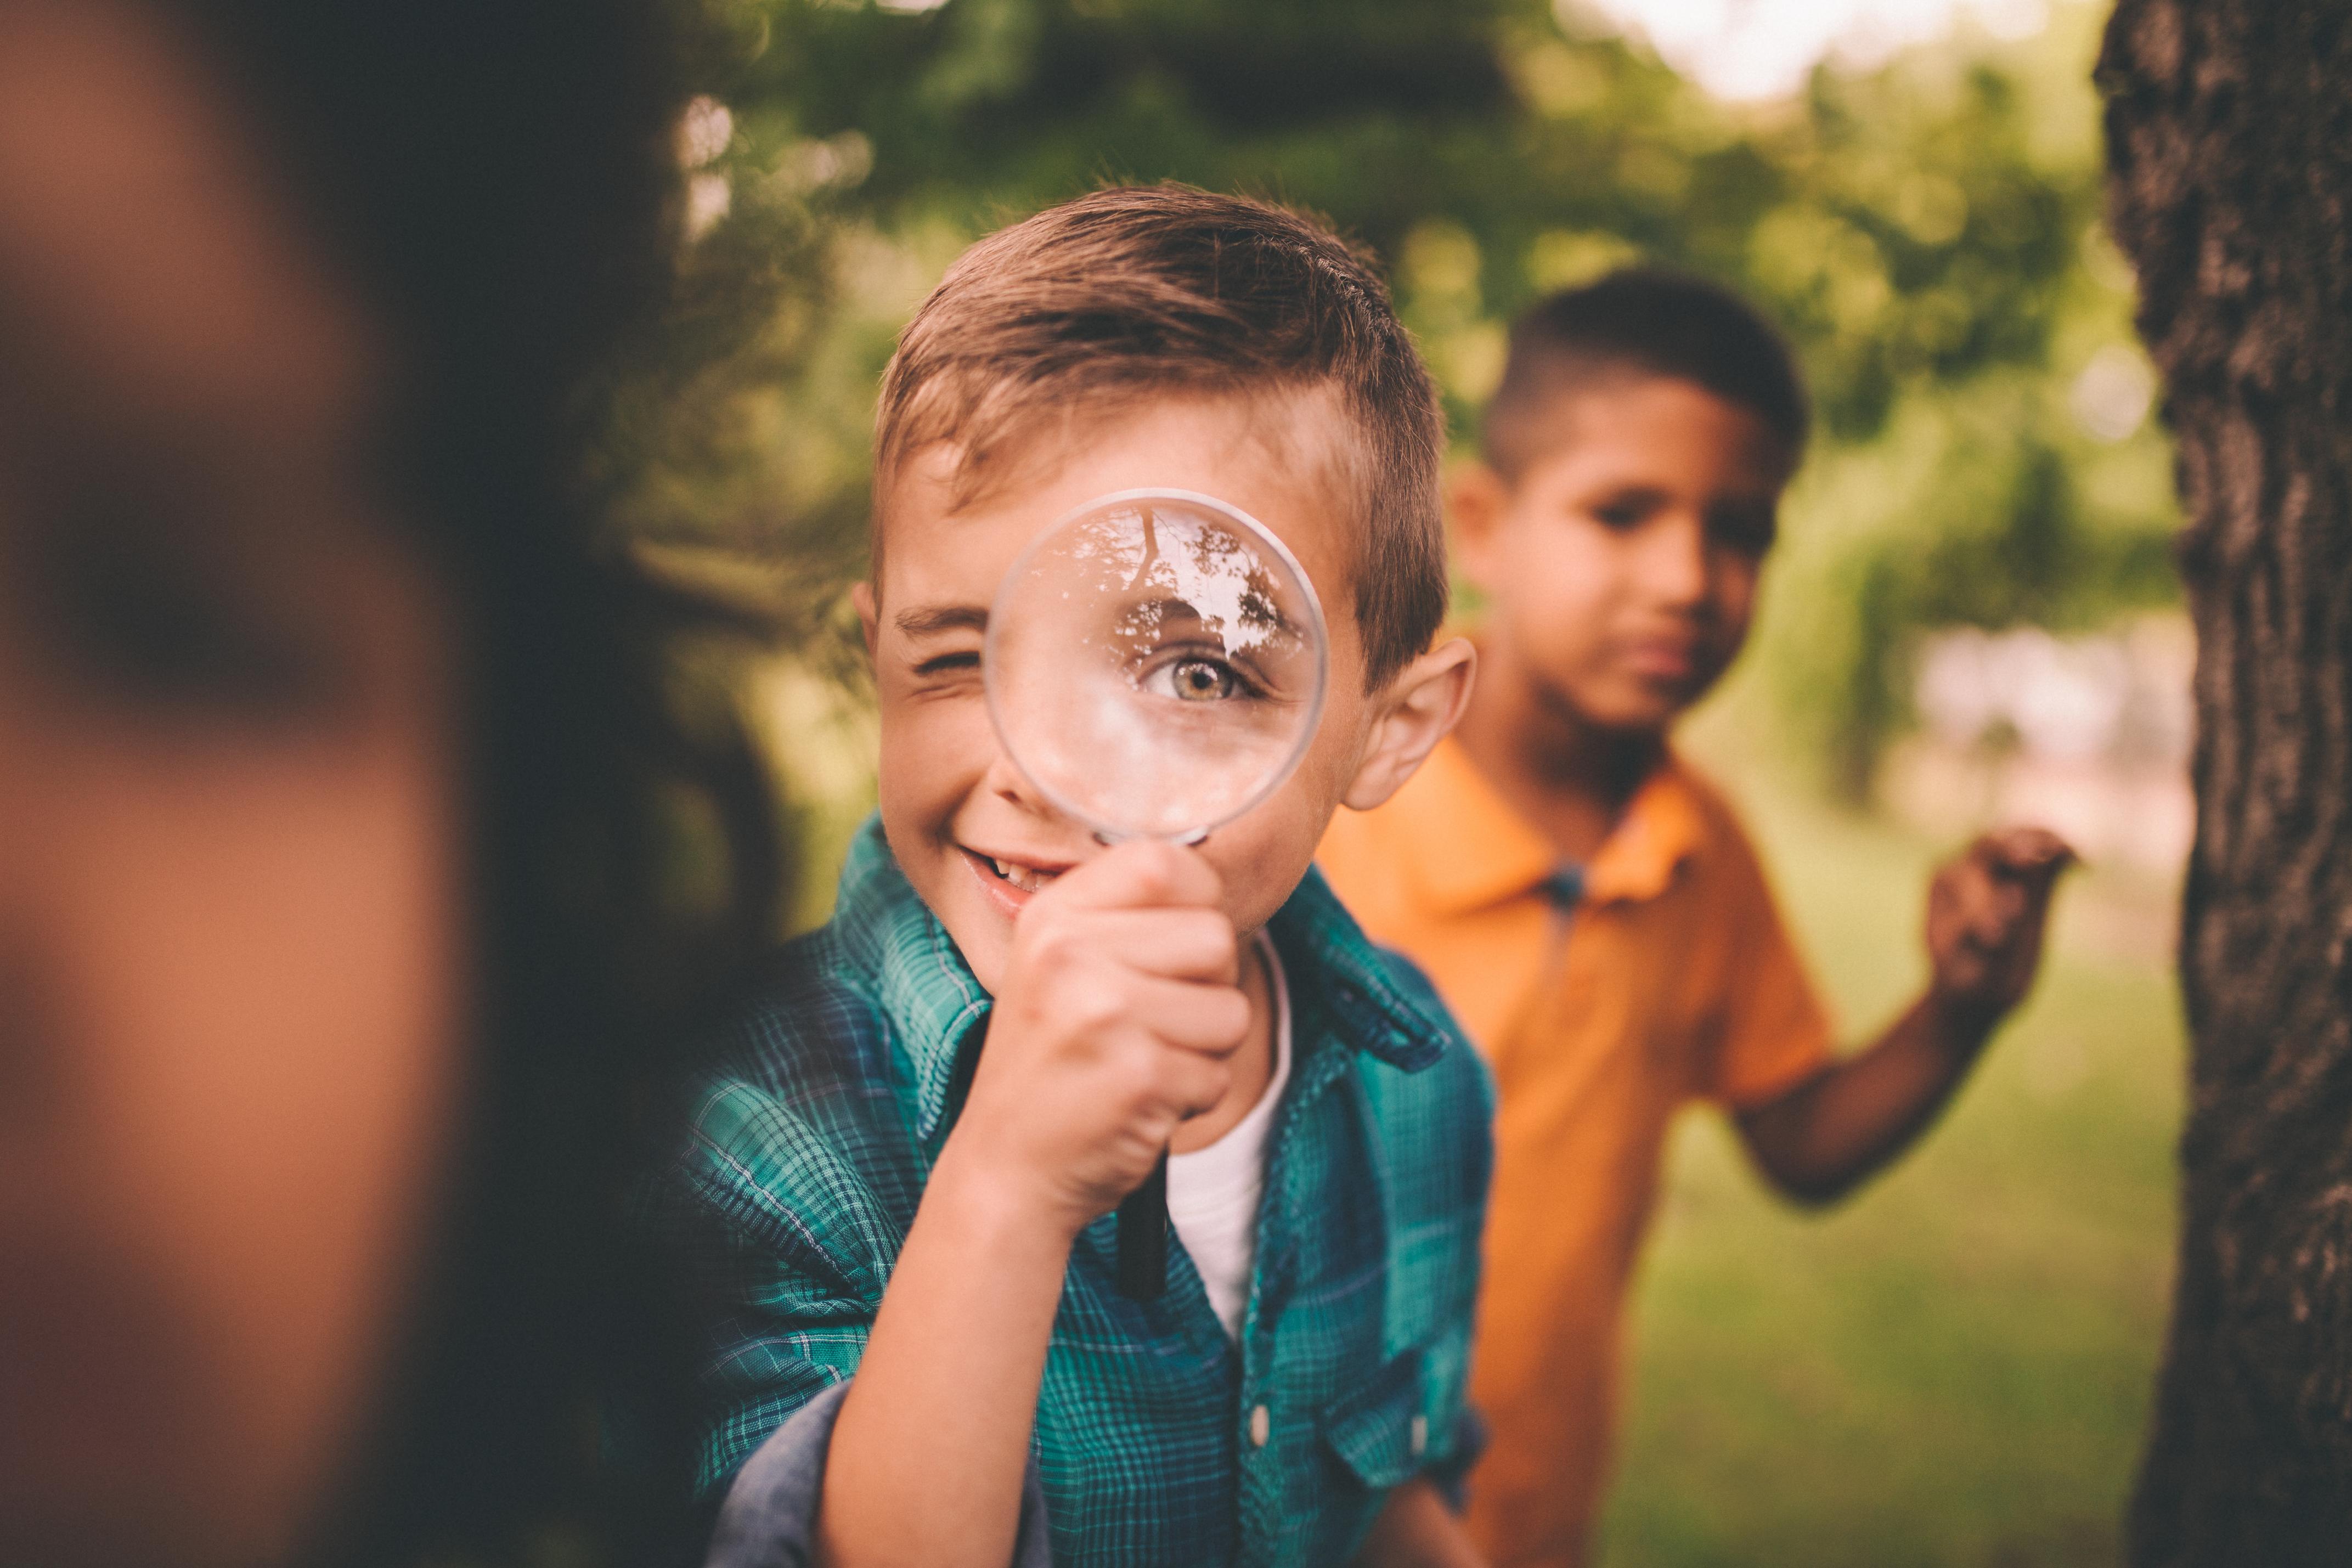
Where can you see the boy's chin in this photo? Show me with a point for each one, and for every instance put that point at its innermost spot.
(1633, 718)
(1651, 707)
(982, 933)
(1657, 718)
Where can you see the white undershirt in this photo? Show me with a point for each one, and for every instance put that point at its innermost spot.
(1213, 1192)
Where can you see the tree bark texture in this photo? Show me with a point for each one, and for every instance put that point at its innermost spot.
(2230, 154)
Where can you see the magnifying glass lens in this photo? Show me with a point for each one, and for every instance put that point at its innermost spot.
(1156, 664)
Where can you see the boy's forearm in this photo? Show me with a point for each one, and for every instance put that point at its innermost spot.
(926, 1460)
(1416, 1529)
(1819, 1140)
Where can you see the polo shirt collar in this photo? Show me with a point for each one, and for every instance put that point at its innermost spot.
(1464, 846)
(934, 1003)
(1660, 830)
(1466, 849)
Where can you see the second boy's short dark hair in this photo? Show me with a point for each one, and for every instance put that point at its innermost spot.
(1650, 322)
(1133, 293)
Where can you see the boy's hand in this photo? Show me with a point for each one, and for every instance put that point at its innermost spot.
(1120, 1009)
(1986, 910)
(1985, 913)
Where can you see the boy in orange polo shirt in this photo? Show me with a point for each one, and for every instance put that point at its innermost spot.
(1589, 905)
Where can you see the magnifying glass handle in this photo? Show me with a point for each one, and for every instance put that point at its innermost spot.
(1143, 1236)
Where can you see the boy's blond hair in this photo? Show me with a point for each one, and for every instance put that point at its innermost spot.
(1093, 306)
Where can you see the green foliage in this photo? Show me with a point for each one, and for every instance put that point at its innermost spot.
(1927, 233)
(2009, 522)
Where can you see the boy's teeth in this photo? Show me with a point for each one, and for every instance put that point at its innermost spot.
(1021, 877)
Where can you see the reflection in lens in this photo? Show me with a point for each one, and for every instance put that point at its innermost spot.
(1156, 664)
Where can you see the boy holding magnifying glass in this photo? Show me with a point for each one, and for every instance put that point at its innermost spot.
(897, 1189)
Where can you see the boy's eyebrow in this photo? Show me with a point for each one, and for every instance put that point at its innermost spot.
(931, 620)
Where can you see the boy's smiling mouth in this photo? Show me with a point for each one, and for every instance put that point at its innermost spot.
(1010, 882)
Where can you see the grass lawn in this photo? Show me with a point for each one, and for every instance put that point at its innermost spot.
(1955, 1367)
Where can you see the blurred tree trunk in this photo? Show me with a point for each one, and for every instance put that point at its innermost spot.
(2230, 149)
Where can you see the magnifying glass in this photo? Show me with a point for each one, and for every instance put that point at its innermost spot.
(1156, 666)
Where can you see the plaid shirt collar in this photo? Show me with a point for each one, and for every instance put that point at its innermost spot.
(924, 987)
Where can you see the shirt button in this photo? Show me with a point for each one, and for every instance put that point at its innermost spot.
(1261, 1425)
(1416, 1435)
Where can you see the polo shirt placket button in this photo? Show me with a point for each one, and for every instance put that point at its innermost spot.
(1416, 1436)
(1261, 1425)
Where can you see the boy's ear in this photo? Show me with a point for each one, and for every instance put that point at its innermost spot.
(1421, 705)
(861, 594)
(1476, 497)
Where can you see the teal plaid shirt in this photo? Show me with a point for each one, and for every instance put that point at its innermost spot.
(1158, 1439)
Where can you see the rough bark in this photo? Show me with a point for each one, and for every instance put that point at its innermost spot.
(2230, 148)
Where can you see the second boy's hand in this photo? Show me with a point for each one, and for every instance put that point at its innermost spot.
(1119, 1015)
(1986, 913)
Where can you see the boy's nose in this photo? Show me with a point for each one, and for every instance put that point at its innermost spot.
(1009, 784)
(1675, 561)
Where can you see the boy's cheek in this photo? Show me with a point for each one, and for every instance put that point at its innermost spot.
(933, 747)
(918, 798)
(1264, 857)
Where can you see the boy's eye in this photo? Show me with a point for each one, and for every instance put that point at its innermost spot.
(1193, 677)
(1750, 530)
(946, 663)
(1620, 513)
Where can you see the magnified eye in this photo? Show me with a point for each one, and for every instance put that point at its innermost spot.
(1198, 680)
(1191, 678)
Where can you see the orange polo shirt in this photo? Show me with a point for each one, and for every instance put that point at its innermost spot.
(1671, 980)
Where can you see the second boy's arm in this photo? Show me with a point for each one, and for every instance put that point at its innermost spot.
(1116, 1017)
(1984, 917)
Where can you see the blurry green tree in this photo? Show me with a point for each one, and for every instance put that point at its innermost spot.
(1927, 232)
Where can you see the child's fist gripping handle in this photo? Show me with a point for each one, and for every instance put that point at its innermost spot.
(1143, 1238)
(1120, 1013)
